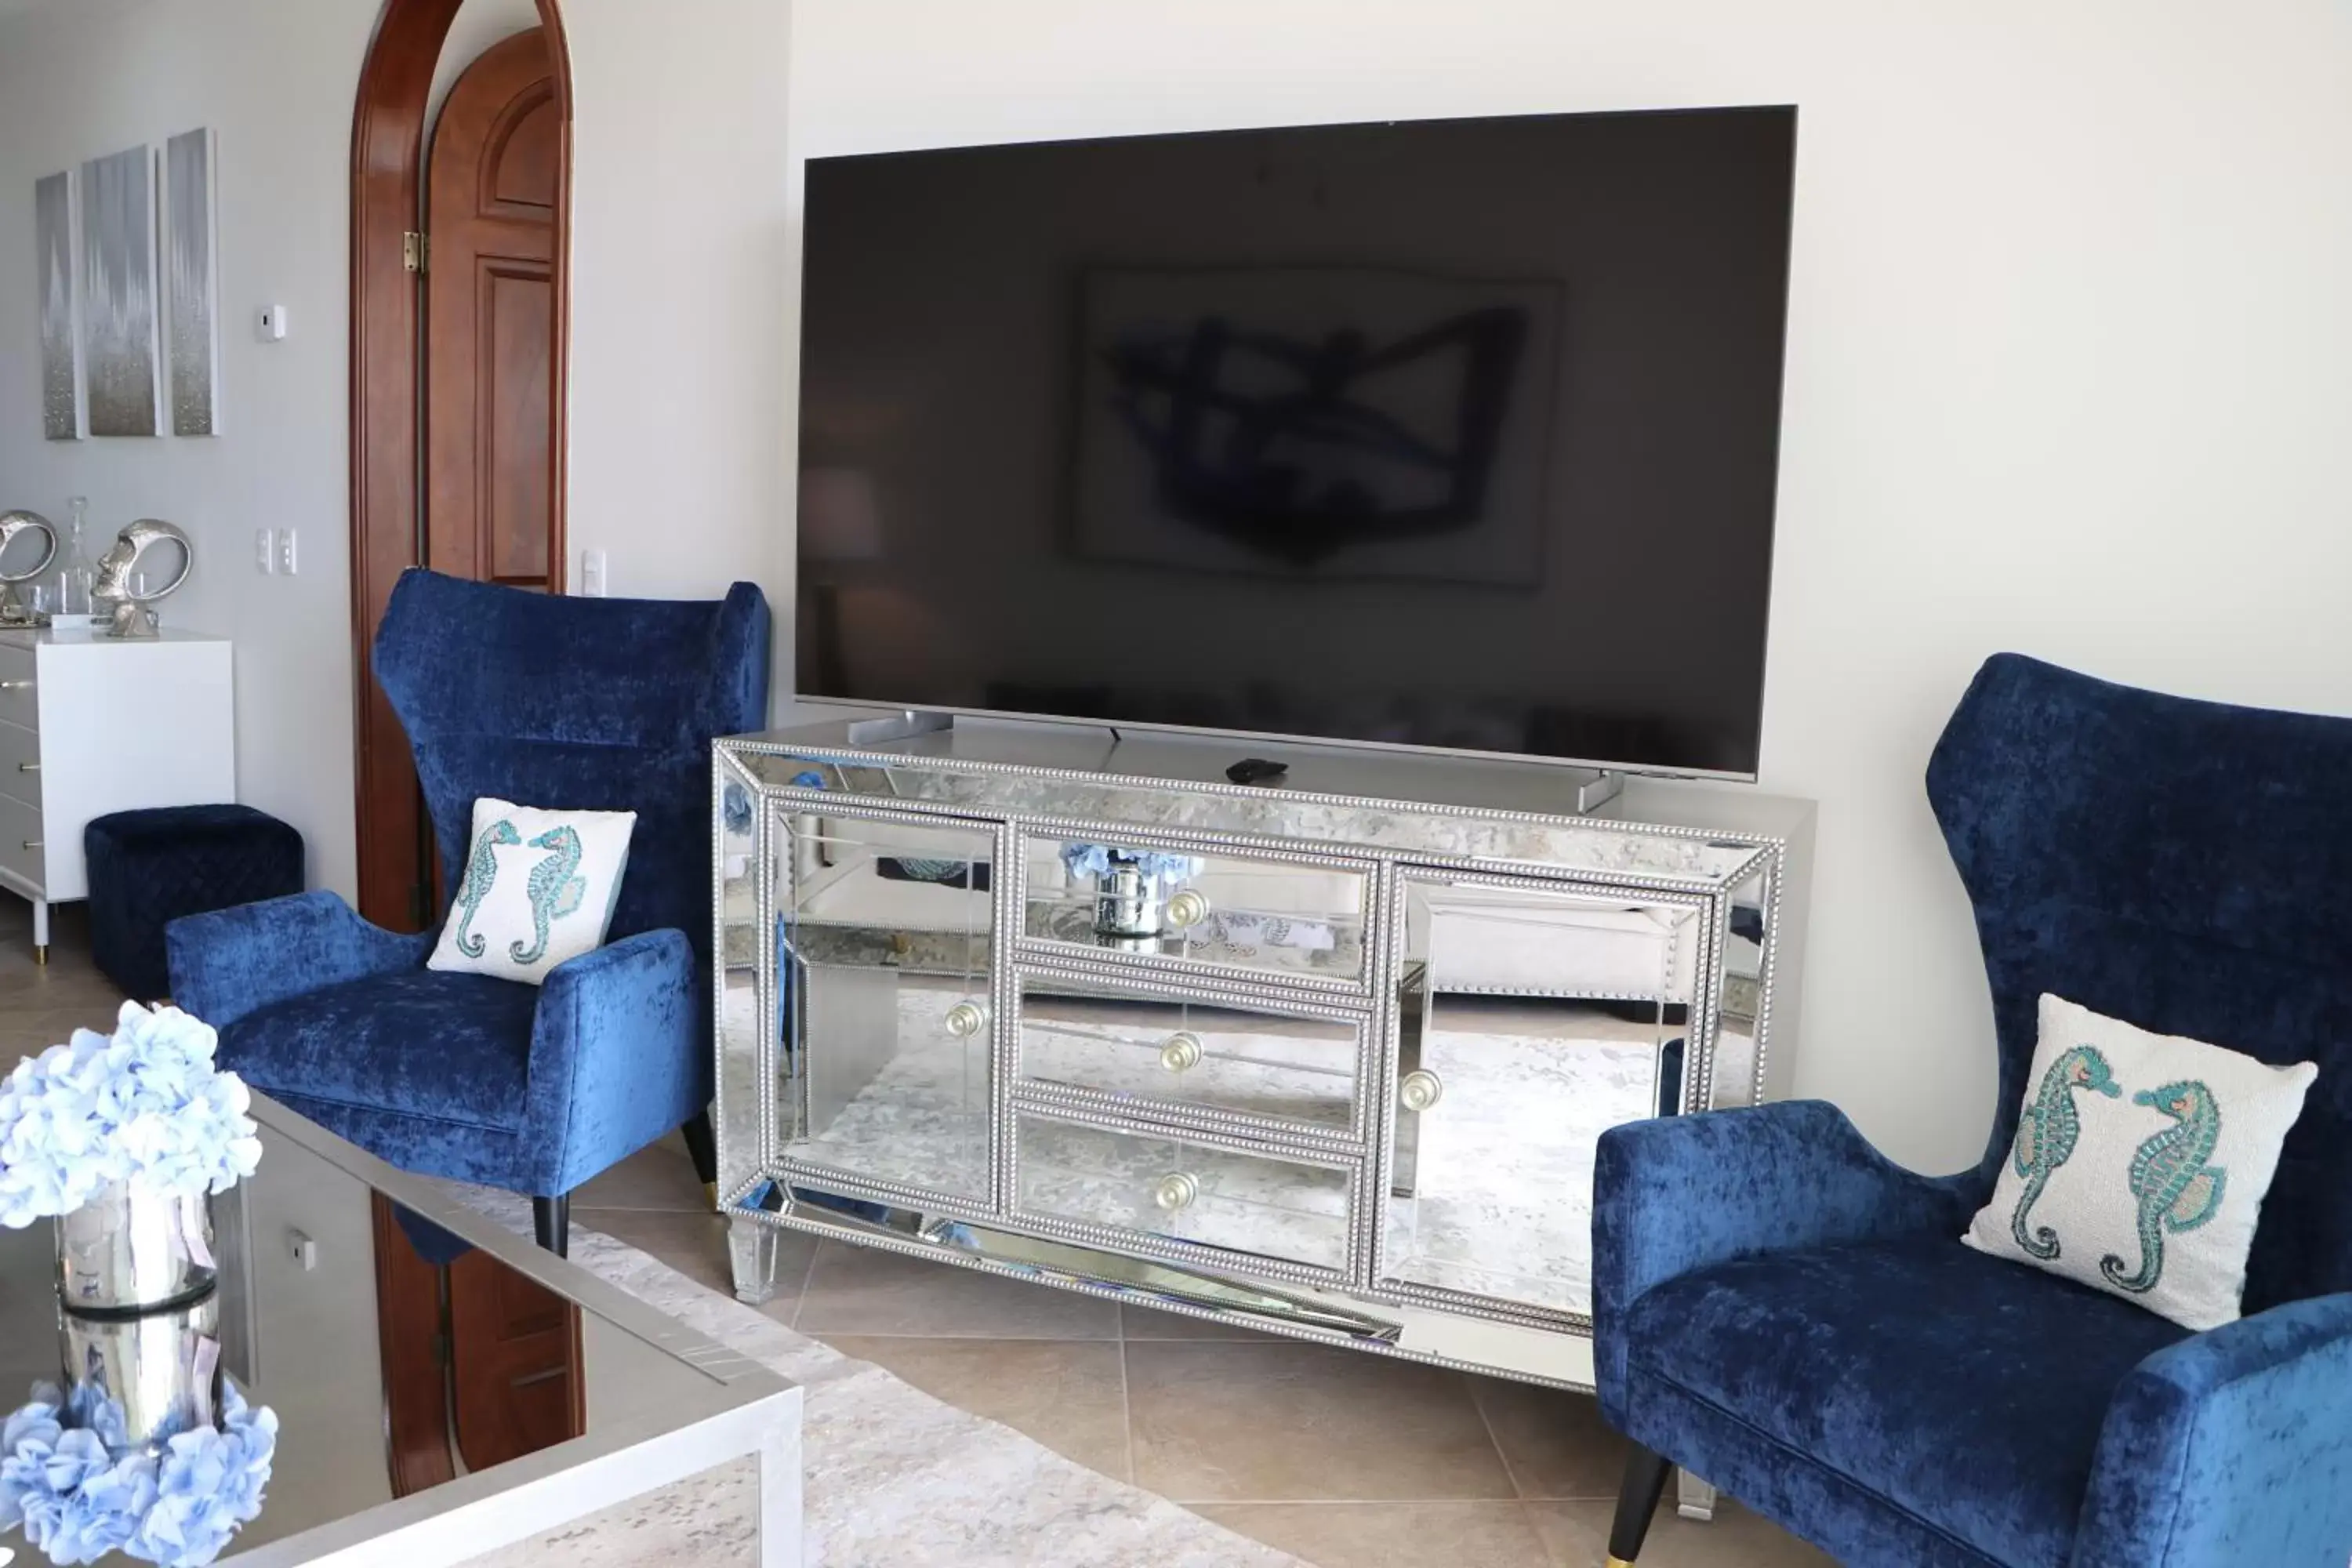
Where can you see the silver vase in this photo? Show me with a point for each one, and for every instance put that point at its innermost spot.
(132, 1250)
(1128, 903)
(162, 1369)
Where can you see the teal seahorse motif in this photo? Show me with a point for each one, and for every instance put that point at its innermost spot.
(2047, 1133)
(2176, 1188)
(481, 870)
(555, 890)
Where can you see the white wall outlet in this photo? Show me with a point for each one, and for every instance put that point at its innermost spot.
(264, 551)
(287, 560)
(305, 1251)
(592, 575)
(269, 323)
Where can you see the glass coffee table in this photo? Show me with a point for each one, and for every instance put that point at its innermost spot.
(447, 1393)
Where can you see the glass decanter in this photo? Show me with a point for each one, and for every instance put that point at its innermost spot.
(75, 575)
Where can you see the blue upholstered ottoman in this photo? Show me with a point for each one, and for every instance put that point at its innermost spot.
(149, 868)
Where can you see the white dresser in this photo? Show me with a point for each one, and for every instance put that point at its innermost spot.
(90, 725)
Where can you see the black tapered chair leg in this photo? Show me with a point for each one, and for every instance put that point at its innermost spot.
(702, 1146)
(1637, 1504)
(551, 1217)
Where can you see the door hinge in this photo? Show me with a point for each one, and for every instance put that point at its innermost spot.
(417, 251)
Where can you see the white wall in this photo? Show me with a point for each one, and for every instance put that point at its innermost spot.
(677, 390)
(80, 80)
(2067, 367)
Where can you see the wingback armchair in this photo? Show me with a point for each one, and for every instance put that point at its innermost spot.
(1784, 1312)
(570, 703)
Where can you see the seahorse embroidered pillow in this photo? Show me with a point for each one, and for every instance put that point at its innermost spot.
(2140, 1163)
(538, 888)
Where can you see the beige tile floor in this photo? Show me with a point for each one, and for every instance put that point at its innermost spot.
(1345, 1460)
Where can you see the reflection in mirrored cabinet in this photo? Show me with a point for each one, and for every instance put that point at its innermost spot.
(1283, 918)
(884, 940)
(1125, 1040)
(1532, 1018)
(1333, 1065)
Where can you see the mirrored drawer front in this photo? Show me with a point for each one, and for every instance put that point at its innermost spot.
(1173, 1188)
(1270, 917)
(1288, 1068)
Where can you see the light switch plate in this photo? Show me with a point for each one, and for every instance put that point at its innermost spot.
(592, 575)
(264, 551)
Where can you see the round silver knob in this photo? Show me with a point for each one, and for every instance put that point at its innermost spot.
(1187, 909)
(1182, 1053)
(1175, 1191)
(1419, 1090)
(966, 1020)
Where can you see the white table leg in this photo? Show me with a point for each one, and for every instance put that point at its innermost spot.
(40, 931)
(752, 1249)
(779, 1497)
(1694, 1498)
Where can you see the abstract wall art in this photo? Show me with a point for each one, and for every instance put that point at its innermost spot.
(119, 360)
(53, 230)
(191, 284)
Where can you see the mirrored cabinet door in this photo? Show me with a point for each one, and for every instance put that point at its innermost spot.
(1531, 1018)
(884, 961)
(1137, 1043)
(1297, 920)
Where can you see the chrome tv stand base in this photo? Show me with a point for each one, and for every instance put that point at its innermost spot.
(1564, 788)
(1311, 1058)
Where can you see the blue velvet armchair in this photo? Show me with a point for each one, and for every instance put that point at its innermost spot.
(1787, 1313)
(573, 704)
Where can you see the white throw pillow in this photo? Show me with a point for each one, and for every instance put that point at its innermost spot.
(2141, 1163)
(539, 888)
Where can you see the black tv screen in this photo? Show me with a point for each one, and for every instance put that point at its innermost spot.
(1456, 433)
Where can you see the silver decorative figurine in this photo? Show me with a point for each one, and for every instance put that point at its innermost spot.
(12, 610)
(119, 582)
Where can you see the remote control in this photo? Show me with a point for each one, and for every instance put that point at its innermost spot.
(1256, 770)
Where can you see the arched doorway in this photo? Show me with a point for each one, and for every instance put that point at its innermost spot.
(390, 258)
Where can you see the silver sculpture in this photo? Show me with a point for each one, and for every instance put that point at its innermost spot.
(13, 612)
(117, 577)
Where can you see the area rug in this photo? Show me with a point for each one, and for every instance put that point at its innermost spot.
(893, 1477)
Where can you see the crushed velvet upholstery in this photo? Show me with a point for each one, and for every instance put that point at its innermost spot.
(1785, 1311)
(149, 866)
(600, 704)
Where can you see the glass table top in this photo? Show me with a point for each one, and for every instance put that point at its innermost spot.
(399, 1354)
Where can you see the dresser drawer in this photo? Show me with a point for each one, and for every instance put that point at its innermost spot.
(1257, 915)
(19, 698)
(21, 823)
(1159, 1188)
(20, 764)
(1290, 1070)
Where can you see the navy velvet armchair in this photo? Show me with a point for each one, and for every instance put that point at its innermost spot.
(570, 703)
(1785, 1312)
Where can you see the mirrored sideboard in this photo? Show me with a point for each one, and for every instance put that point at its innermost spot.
(1331, 1060)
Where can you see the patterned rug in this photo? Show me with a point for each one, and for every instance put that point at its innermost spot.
(895, 1477)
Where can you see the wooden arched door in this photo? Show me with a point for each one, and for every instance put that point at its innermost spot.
(392, 253)
(490, 320)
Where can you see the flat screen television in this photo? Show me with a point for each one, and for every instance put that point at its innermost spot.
(1451, 434)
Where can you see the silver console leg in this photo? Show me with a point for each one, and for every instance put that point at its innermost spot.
(752, 1249)
(1694, 1498)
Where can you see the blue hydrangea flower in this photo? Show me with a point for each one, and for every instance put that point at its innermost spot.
(145, 1104)
(1157, 865)
(78, 1499)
